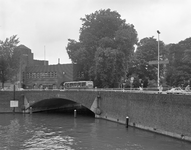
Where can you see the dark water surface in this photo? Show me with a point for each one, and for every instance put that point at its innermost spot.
(45, 131)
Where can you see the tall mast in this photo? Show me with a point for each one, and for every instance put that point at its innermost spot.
(44, 55)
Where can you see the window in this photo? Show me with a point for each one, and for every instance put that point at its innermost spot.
(55, 75)
(38, 75)
(45, 74)
(33, 75)
(51, 74)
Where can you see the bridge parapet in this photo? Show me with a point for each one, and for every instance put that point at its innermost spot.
(86, 98)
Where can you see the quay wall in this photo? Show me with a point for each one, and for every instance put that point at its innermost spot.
(6, 97)
(167, 114)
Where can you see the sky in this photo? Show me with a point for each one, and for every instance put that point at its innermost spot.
(45, 26)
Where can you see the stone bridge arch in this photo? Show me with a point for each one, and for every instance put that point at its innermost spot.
(46, 99)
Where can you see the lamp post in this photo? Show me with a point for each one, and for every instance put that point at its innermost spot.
(158, 60)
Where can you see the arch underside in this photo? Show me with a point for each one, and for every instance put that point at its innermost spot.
(58, 104)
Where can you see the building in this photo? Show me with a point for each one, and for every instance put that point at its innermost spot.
(38, 74)
(50, 76)
(27, 57)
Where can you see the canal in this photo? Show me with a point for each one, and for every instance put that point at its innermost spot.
(53, 131)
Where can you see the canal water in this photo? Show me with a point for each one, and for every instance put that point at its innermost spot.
(58, 131)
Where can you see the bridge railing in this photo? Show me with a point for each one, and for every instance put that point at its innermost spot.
(130, 90)
(98, 89)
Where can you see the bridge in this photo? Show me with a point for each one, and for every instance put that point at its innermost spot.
(56, 99)
(43, 100)
(168, 114)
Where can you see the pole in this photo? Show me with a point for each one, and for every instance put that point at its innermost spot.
(127, 122)
(14, 97)
(44, 56)
(30, 110)
(158, 60)
(75, 113)
(14, 92)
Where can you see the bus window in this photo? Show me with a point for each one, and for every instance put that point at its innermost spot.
(83, 84)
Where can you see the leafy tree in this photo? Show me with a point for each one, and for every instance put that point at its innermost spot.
(179, 56)
(186, 57)
(9, 59)
(126, 38)
(109, 67)
(147, 50)
(104, 31)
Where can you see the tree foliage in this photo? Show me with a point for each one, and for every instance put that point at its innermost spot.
(179, 70)
(147, 50)
(109, 67)
(106, 52)
(176, 73)
(103, 35)
(9, 59)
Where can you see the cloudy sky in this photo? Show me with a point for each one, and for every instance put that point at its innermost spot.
(46, 25)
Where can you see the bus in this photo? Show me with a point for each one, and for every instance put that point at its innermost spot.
(79, 85)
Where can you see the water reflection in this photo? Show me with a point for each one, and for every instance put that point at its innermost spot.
(10, 132)
(42, 140)
(45, 134)
(59, 131)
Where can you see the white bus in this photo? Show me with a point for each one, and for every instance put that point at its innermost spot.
(79, 84)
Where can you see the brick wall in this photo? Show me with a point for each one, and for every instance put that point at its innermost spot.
(6, 97)
(162, 113)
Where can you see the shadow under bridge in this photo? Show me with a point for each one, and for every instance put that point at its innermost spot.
(60, 105)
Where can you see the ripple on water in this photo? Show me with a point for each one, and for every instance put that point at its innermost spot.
(45, 141)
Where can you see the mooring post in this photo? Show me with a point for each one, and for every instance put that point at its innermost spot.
(127, 122)
(75, 113)
(30, 110)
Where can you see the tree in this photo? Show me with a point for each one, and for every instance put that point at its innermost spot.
(9, 59)
(126, 38)
(102, 30)
(179, 70)
(109, 67)
(147, 50)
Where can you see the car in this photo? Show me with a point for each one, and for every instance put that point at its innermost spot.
(176, 90)
(20, 89)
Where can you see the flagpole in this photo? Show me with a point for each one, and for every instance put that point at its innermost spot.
(158, 60)
(44, 55)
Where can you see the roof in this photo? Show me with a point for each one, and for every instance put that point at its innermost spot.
(22, 47)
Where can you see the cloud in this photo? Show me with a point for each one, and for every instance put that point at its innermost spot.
(52, 22)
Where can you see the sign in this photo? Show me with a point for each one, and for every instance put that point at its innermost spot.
(155, 62)
(14, 103)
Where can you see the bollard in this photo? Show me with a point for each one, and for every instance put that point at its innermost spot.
(30, 110)
(74, 113)
(127, 122)
(13, 109)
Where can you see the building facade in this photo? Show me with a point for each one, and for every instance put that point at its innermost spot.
(50, 76)
(38, 74)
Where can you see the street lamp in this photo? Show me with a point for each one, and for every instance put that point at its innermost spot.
(158, 60)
